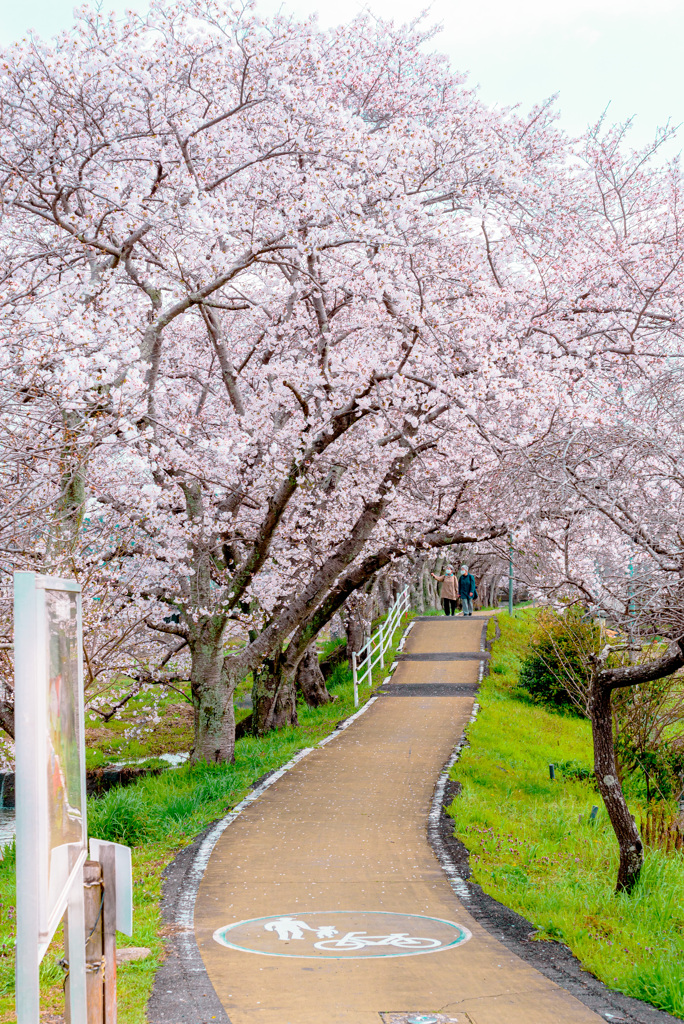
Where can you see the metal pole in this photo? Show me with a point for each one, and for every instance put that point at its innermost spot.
(26, 672)
(75, 987)
(356, 681)
(510, 574)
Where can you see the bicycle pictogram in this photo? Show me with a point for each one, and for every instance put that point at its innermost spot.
(342, 934)
(361, 940)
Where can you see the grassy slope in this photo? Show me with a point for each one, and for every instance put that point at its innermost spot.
(160, 815)
(533, 848)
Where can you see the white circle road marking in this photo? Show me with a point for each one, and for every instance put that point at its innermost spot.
(342, 935)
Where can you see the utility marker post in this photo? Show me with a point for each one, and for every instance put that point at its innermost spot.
(52, 832)
(54, 875)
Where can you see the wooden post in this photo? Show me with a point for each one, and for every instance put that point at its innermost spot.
(93, 899)
(108, 862)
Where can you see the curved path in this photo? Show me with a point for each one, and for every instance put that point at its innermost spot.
(336, 854)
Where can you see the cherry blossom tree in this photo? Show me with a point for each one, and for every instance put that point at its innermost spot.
(278, 304)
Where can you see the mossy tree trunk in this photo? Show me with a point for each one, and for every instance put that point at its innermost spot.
(309, 680)
(605, 768)
(356, 622)
(603, 682)
(67, 521)
(274, 697)
(212, 690)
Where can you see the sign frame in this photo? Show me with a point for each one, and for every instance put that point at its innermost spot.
(40, 911)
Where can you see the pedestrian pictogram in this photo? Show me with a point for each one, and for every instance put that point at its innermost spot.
(341, 935)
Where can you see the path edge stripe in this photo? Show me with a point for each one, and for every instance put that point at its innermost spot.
(456, 880)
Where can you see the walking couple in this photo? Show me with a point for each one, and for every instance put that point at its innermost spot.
(453, 588)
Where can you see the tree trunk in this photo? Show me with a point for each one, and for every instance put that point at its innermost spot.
(428, 585)
(356, 621)
(624, 826)
(337, 628)
(67, 520)
(274, 699)
(310, 681)
(416, 586)
(383, 595)
(432, 587)
(212, 698)
(7, 716)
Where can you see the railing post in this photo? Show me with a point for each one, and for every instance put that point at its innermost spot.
(383, 636)
(356, 681)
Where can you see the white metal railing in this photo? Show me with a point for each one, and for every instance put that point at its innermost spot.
(373, 651)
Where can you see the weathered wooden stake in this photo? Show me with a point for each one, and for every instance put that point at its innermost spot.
(108, 862)
(93, 908)
(94, 905)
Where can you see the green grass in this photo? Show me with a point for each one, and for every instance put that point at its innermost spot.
(533, 848)
(160, 815)
(326, 647)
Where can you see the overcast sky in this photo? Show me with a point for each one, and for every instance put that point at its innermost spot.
(625, 53)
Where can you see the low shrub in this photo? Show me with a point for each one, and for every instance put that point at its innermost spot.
(576, 771)
(555, 669)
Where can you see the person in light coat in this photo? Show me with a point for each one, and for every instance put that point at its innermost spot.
(448, 591)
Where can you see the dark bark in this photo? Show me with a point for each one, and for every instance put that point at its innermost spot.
(7, 717)
(212, 689)
(632, 675)
(383, 596)
(341, 421)
(349, 583)
(416, 586)
(357, 626)
(274, 700)
(310, 680)
(245, 727)
(605, 767)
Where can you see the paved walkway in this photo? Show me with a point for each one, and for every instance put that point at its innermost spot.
(365, 927)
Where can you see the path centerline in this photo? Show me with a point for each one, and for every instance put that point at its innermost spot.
(345, 833)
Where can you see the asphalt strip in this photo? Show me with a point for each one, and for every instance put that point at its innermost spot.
(183, 994)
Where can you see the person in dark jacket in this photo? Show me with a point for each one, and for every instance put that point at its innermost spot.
(466, 590)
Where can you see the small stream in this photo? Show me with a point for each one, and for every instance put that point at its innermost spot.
(7, 816)
(7, 826)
